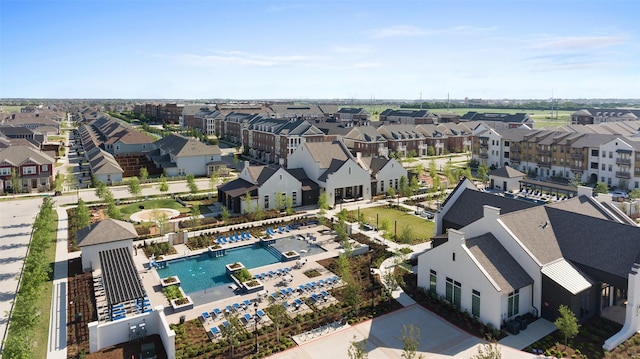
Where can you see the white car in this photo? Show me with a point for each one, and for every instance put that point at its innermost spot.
(619, 194)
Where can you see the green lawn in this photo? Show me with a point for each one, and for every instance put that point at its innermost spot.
(132, 208)
(422, 228)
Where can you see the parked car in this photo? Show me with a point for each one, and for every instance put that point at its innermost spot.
(619, 194)
(428, 215)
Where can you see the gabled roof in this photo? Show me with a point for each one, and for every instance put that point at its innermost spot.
(567, 276)
(301, 175)
(468, 208)
(105, 231)
(324, 153)
(238, 188)
(16, 155)
(497, 263)
(506, 172)
(182, 146)
(260, 174)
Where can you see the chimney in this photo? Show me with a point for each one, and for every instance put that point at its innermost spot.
(585, 191)
(455, 235)
(491, 213)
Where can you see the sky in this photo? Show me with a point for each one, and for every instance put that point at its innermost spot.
(329, 49)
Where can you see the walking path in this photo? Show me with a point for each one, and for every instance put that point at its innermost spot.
(57, 346)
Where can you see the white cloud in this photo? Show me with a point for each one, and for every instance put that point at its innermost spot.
(352, 49)
(400, 30)
(570, 43)
(239, 58)
(366, 65)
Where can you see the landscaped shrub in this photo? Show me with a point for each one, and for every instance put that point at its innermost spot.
(172, 292)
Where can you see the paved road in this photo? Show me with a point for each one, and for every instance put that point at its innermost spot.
(16, 223)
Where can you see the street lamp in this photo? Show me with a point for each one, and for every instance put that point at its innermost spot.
(255, 318)
(77, 193)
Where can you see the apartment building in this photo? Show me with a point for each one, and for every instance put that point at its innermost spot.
(594, 116)
(408, 117)
(609, 158)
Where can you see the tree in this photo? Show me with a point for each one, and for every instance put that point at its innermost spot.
(576, 180)
(144, 173)
(483, 170)
(58, 182)
(352, 295)
(225, 214)
(15, 181)
(488, 350)
(278, 200)
(213, 181)
(358, 349)
(161, 219)
(391, 280)
(601, 187)
(163, 186)
(410, 337)
(195, 216)
(278, 314)
(247, 203)
(70, 180)
(113, 211)
(289, 206)
(414, 185)
(230, 332)
(323, 204)
(419, 169)
(82, 214)
(191, 183)
(134, 187)
(634, 194)
(403, 186)
(567, 323)
(406, 236)
(391, 192)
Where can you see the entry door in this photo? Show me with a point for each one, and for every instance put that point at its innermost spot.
(606, 294)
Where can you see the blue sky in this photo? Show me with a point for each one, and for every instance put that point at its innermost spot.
(319, 49)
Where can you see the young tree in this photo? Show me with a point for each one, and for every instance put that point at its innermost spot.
(213, 181)
(414, 186)
(391, 192)
(411, 339)
(352, 295)
(278, 200)
(406, 236)
(488, 350)
(289, 206)
(82, 214)
(230, 332)
(323, 204)
(634, 194)
(278, 314)
(195, 216)
(144, 173)
(58, 182)
(191, 183)
(403, 186)
(358, 349)
(161, 219)
(567, 323)
(576, 180)
(419, 169)
(247, 203)
(483, 170)
(433, 170)
(113, 211)
(601, 187)
(225, 214)
(163, 186)
(134, 187)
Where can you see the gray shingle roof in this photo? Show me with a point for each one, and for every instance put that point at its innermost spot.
(181, 146)
(105, 231)
(501, 267)
(506, 172)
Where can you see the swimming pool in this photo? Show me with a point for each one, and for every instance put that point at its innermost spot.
(198, 273)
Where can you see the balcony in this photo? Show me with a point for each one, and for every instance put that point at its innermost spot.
(514, 160)
(484, 155)
(515, 149)
(544, 164)
(575, 168)
(543, 152)
(620, 174)
(577, 155)
(623, 161)
(484, 145)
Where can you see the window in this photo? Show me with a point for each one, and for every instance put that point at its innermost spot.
(514, 303)
(506, 143)
(454, 292)
(29, 170)
(266, 201)
(294, 198)
(5, 171)
(610, 154)
(381, 186)
(610, 168)
(44, 168)
(604, 154)
(453, 257)
(594, 153)
(433, 281)
(604, 167)
(475, 303)
(609, 181)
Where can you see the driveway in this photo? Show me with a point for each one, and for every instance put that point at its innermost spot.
(438, 339)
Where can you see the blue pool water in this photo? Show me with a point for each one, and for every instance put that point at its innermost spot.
(197, 273)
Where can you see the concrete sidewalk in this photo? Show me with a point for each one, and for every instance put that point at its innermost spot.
(57, 346)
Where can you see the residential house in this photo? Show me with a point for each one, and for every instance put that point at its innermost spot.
(407, 117)
(334, 169)
(353, 114)
(385, 173)
(505, 179)
(103, 166)
(504, 262)
(179, 155)
(33, 167)
(268, 188)
(101, 236)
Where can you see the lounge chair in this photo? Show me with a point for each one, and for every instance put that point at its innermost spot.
(325, 294)
(289, 291)
(229, 309)
(272, 273)
(280, 229)
(236, 306)
(316, 298)
(225, 324)
(216, 312)
(260, 314)
(215, 331)
(247, 317)
(247, 302)
(237, 236)
(206, 316)
(283, 292)
(287, 228)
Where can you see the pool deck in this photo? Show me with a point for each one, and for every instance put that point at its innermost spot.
(151, 280)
